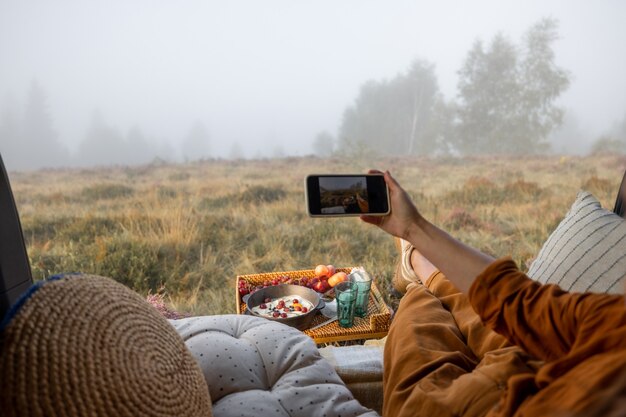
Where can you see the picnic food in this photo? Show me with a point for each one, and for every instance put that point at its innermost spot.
(320, 282)
(321, 285)
(337, 278)
(295, 313)
(322, 271)
(283, 307)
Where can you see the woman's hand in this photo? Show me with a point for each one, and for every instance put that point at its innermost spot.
(404, 215)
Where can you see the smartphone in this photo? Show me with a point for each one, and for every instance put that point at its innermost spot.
(331, 195)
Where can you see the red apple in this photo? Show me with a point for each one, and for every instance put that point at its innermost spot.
(321, 286)
(322, 271)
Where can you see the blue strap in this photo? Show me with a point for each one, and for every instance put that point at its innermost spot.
(27, 294)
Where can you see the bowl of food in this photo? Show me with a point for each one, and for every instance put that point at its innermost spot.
(293, 305)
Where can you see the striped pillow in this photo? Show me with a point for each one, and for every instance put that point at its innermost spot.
(586, 252)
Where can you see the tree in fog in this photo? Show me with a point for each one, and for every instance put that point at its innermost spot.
(397, 116)
(29, 140)
(196, 144)
(607, 145)
(323, 144)
(137, 149)
(102, 144)
(619, 130)
(507, 94)
(164, 152)
(570, 137)
(612, 142)
(38, 138)
(236, 151)
(418, 92)
(441, 129)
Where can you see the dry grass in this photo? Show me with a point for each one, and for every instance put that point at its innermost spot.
(187, 230)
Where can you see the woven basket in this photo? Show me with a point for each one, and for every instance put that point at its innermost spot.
(374, 325)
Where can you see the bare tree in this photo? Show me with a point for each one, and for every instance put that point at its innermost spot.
(324, 144)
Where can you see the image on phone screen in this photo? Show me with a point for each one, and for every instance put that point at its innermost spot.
(343, 195)
(336, 195)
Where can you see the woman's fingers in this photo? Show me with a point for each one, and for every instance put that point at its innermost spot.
(375, 220)
(391, 181)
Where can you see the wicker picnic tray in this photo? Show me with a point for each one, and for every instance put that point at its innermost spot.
(373, 326)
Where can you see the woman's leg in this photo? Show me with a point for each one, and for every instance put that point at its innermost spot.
(431, 365)
(478, 338)
(428, 368)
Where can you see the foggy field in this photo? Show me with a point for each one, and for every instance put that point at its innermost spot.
(189, 229)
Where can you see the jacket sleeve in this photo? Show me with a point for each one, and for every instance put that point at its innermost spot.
(542, 319)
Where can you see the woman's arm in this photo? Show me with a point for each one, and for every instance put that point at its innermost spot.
(459, 262)
(544, 320)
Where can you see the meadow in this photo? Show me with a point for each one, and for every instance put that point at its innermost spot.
(185, 231)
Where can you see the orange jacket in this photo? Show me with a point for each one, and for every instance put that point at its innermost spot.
(581, 338)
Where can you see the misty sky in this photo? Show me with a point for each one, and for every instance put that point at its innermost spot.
(277, 71)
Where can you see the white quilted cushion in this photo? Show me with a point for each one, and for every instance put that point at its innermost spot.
(587, 250)
(256, 367)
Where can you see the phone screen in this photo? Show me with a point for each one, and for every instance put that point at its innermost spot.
(346, 195)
